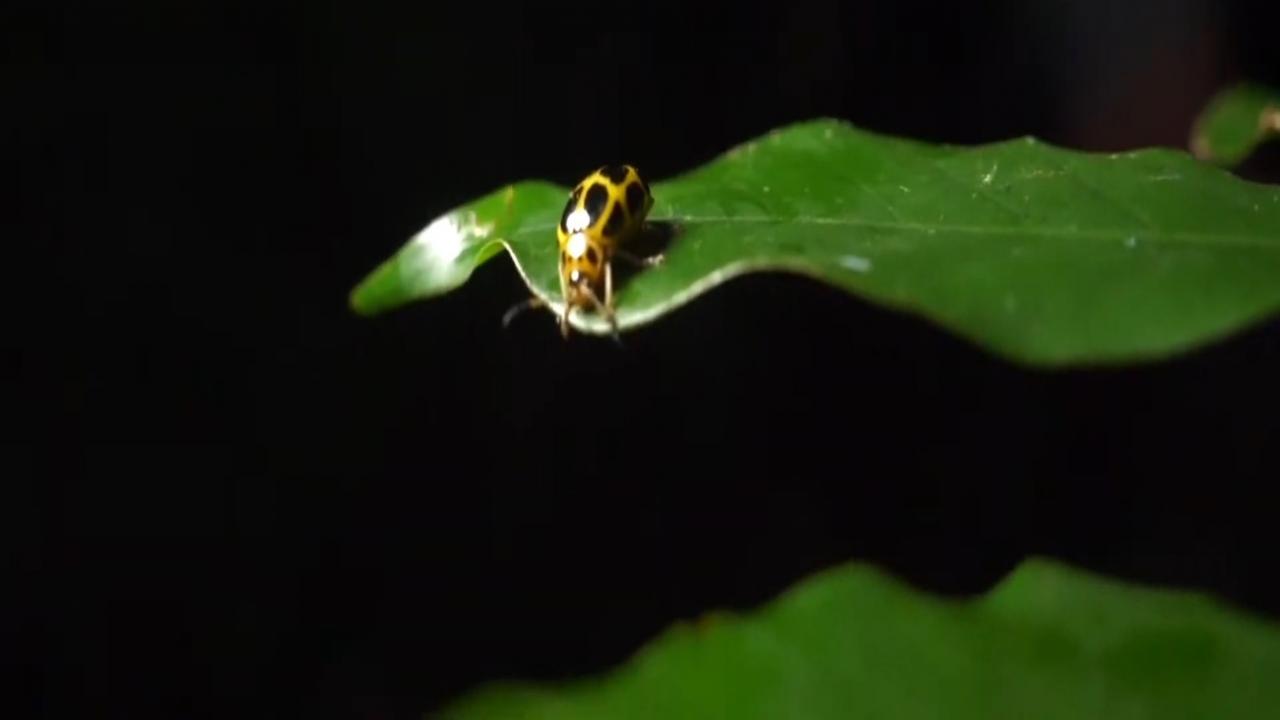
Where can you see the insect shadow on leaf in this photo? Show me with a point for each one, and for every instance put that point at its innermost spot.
(647, 248)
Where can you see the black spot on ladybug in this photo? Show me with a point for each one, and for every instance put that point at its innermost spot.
(635, 198)
(616, 173)
(592, 256)
(614, 223)
(569, 208)
(597, 198)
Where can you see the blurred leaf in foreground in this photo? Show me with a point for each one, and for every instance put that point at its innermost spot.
(1049, 642)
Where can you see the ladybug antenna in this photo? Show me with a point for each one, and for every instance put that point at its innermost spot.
(520, 307)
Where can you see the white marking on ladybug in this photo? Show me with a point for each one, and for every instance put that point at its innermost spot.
(577, 245)
(577, 221)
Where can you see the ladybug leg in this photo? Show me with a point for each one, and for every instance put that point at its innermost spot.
(608, 285)
(564, 315)
(651, 261)
(604, 310)
(608, 300)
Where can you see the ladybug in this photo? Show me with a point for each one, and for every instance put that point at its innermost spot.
(604, 212)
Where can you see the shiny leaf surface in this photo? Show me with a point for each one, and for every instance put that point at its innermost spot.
(1048, 642)
(1040, 254)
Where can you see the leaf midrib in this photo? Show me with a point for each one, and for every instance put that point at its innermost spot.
(1145, 234)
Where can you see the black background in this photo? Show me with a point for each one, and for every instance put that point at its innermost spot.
(251, 501)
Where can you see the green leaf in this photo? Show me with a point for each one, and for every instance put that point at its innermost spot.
(1235, 122)
(1049, 642)
(1041, 254)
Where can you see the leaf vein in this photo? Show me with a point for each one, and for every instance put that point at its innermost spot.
(1019, 231)
(1015, 211)
(1124, 207)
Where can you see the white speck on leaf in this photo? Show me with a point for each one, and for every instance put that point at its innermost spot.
(1131, 242)
(1041, 173)
(855, 263)
(991, 174)
(904, 188)
(766, 188)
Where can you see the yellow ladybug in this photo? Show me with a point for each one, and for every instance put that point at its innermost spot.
(604, 212)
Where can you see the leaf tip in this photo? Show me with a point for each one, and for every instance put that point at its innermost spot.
(360, 304)
(1200, 147)
(377, 292)
(1269, 120)
(358, 301)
